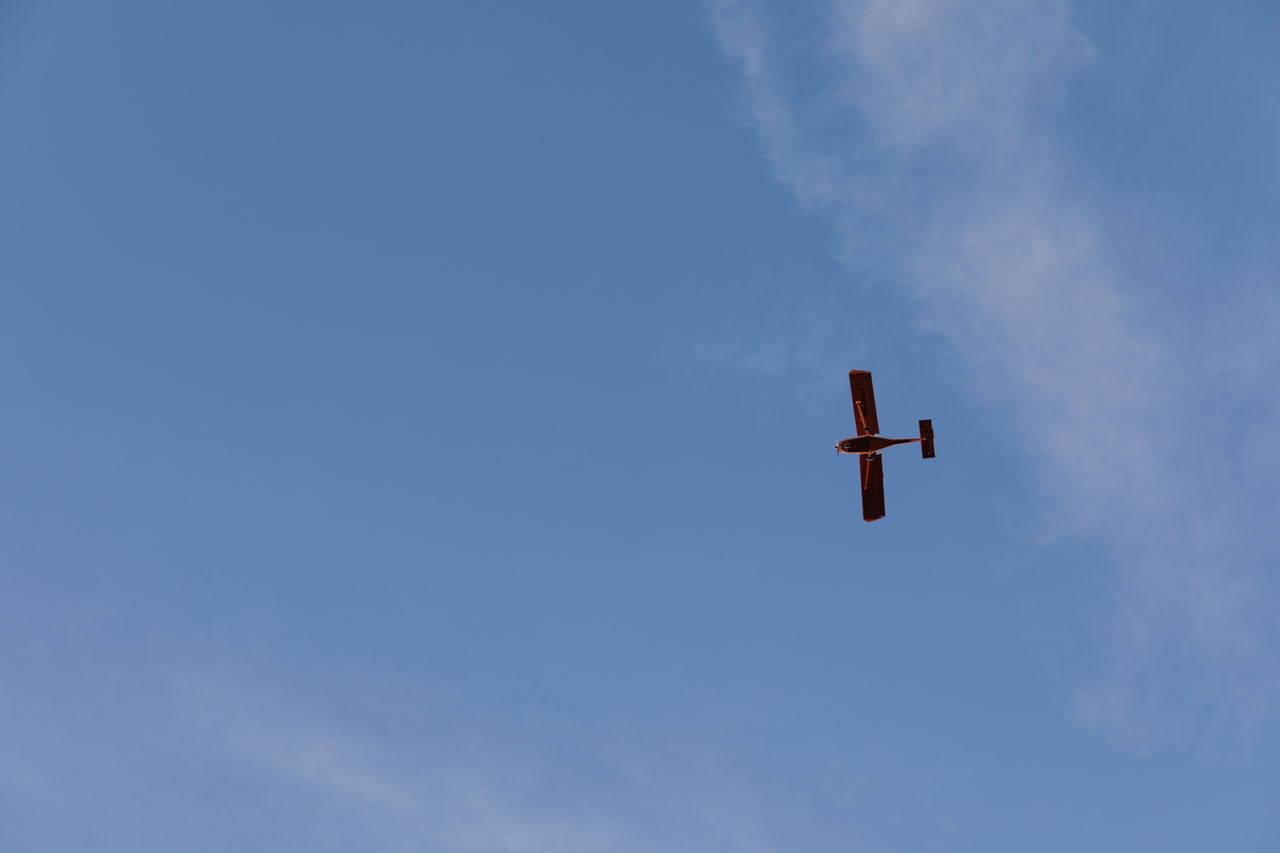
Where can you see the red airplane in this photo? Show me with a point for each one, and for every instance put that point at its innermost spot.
(868, 445)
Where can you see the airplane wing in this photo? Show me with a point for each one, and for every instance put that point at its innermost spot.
(860, 385)
(872, 486)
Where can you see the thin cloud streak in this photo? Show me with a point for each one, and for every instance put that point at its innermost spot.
(926, 150)
(406, 797)
(743, 351)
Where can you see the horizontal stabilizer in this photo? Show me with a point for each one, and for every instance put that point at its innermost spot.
(926, 439)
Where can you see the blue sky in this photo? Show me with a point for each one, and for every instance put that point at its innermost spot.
(419, 426)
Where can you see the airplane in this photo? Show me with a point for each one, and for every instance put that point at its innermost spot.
(868, 444)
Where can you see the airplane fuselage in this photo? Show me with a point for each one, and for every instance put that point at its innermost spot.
(867, 444)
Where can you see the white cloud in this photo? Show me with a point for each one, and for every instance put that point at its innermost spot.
(925, 146)
(426, 793)
(925, 72)
(746, 351)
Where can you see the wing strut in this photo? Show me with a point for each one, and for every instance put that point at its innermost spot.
(872, 486)
(864, 394)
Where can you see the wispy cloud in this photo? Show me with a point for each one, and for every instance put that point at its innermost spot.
(925, 145)
(449, 797)
(747, 351)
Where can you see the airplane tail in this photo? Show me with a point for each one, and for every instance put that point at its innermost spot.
(926, 439)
